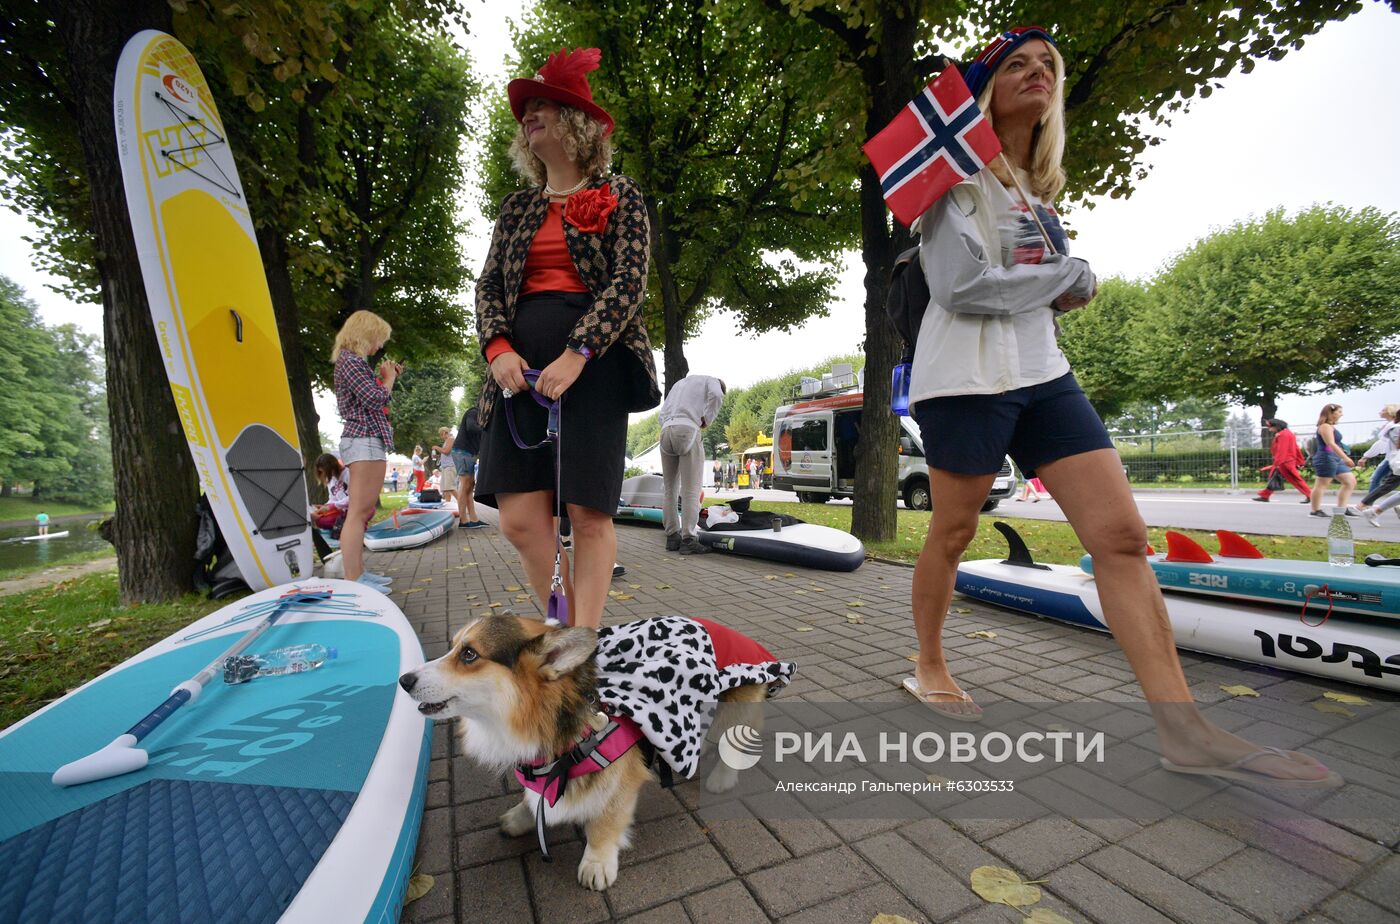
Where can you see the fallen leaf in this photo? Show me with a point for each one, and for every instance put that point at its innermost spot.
(472, 596)
(1045, 916)
(477, 603)
(770, 577)
(819, 590)
(1056, 728)
(522, 596)
(855, 618)
(614, 593)
(419, 590)
(855, 603)
(914, 658)
(806, 628)
(426, 581)
(625, 597)
(513, 587)
(940, 780)
(663, 586)
(1004, 887)
(883, 918)
(962, 610)
(788, 574)
(495, 605)
(982, 633)
(1351, 699)
(635, 586)
(800, 593)
(419, 884)
(1333, 709)
(1239, 689)
(99, 624)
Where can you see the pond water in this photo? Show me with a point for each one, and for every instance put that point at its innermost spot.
(82, 540)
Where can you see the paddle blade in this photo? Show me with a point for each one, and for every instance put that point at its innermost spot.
(121, 756)
(1181, 547)
(1233, 545)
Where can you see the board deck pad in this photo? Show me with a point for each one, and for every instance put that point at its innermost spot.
(248, 789)
(211, 307)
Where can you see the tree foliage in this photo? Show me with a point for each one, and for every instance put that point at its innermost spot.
(727, 118)
(1279, 305)
(423, 403)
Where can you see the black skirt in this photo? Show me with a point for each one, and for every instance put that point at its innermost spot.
(592, 423)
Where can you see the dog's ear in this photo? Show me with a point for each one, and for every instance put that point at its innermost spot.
(564, 650)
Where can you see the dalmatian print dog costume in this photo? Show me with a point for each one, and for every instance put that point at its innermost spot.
(667, 673)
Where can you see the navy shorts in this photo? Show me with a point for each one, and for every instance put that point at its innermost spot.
(1328, 464)
(971, 434)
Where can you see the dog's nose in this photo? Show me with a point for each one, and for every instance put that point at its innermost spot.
(408, 681)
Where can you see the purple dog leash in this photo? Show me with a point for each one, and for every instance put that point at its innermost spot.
(558, 609)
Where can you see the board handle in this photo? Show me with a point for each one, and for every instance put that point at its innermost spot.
(237, 325)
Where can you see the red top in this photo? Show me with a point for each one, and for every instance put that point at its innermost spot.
(1285, 449)
(548, 267)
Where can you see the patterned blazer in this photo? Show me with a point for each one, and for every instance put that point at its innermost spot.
(613, 265)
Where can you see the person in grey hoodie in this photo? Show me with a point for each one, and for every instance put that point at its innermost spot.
(691, 405)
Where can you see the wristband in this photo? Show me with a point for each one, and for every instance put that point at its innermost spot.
(581, 349)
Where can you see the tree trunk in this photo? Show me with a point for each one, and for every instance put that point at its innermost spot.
(1268, 405)
(665, 250)
(273, 246)
(891, 80)
(154, 524)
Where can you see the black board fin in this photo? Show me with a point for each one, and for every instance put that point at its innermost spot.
(1379, 561)
(1018, 554)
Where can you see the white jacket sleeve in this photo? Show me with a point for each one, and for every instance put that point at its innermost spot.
(714, 397)
(963, 279)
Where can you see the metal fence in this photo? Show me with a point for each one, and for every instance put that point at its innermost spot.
(1213, 458)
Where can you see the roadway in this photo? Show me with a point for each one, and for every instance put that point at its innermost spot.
(1282, 516)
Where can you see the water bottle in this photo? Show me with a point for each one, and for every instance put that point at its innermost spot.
(899, 390)
(294, 659)
(1341, 551)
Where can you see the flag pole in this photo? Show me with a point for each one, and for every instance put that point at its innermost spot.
(1025, 200)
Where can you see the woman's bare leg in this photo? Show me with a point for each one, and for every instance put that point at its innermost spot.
(1319, 489)
(527, 521)
(366, 481)
(957, 502)
(1096, 499)
(595, 551)
(1347, 480)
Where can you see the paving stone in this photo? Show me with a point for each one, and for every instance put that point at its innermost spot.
(1160, 889)
(1045, 844)
(858, 906)
(482, 814)
(1365, 811)
(730, 903)
(1347, 908)
(746, 843)
(667, 878)
(921, 880)
(1264, 885)
(789, 887)
(1382, 885)
(952, 850)
(1100, 899)
(664, 835)
(1292, 849)
(494, 892)
(435, 842)
(673, 913)
(555, 889)
(1182, 846)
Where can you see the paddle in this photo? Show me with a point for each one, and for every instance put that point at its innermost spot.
(121, 756)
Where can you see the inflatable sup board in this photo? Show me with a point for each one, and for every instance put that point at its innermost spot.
(293, 798)
(1346, 648)
(1241, 572)
(211, 308)
(408, 529)
(805, 544)
(641, 499)
(44, 537)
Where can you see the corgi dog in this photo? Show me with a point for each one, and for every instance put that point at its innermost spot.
(526, 696)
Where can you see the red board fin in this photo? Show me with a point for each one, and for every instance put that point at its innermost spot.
(1181, 547)
(1233, 545)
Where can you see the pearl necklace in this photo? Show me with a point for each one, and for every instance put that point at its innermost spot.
(551, 192)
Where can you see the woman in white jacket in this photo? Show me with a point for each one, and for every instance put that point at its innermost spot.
(989, 378)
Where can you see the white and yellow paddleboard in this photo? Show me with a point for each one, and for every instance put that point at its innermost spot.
(211, 307)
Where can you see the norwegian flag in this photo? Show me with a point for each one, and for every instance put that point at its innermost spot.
(938, 140)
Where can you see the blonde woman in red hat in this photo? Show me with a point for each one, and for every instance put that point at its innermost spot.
(562, 292)
(989, 379)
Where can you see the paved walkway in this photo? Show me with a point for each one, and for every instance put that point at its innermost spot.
(685, 867)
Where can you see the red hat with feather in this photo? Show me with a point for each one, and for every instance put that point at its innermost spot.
(564, 79)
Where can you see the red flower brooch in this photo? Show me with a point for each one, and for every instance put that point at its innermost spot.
(589, 210)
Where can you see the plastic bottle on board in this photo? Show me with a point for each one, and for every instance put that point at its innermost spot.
(899, 390)
(294, 659)
(1341, 550)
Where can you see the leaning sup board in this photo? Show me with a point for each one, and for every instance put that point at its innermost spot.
(211, 307)
(293, 798)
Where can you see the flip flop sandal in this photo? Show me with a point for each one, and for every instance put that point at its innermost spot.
(1236, 772)
(912, 685)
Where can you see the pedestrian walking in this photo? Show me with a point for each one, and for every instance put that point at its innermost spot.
(1331, 461)
(1287, 458)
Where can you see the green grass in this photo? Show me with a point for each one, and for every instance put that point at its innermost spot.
(1049, 541)
(58, 638)
(24, 508)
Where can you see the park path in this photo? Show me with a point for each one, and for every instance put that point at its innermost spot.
(1337, 865)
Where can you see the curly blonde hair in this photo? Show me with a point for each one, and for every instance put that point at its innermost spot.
(1047, 177)
(585, 142)
(361, 334)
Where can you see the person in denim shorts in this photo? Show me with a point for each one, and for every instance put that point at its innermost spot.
(366, 441)
(465, 447)
(989, 379)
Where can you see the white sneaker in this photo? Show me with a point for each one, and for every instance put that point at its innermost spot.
(1370, 514)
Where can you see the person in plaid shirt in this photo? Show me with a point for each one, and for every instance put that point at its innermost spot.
(366, 441)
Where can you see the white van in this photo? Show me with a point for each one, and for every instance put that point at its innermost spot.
(815, 441)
